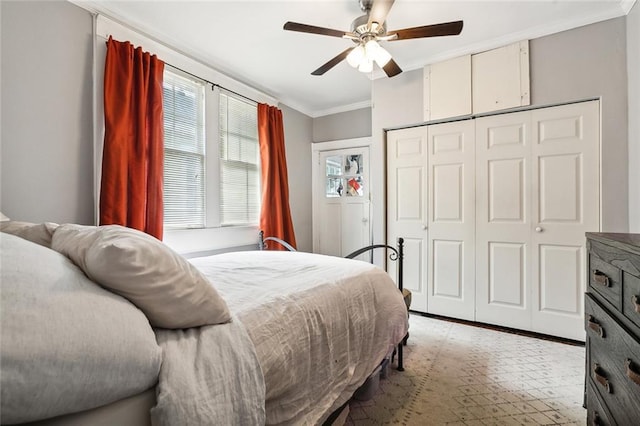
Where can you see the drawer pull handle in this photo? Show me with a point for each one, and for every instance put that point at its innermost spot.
(635, 377)
(636, 301)
(593, 324)
(596, 419)
(600, 278)
(600, 378)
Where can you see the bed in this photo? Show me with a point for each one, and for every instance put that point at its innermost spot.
(99, 327)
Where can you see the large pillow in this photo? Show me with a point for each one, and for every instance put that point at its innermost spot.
(67, 344)
(163, 284)
(39, 233)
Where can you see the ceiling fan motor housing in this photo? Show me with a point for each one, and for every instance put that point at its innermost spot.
(359, 26)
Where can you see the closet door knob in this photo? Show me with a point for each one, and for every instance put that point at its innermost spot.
(538, 229)
(424, 227)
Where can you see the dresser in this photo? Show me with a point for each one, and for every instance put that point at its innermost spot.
(612, 323)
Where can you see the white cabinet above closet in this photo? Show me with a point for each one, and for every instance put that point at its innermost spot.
(500, 78)
(447, 88)
(488, 81)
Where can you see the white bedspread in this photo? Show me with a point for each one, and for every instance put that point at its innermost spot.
(210, 376)
(319, 324)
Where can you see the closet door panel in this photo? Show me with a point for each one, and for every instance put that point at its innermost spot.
(506, 192)
(507, 285)
(448, 268)
(451, 265)
(560, 264)
(503, 240)
(448, 190)
(414, 277)
(407, 207)
(565, 154)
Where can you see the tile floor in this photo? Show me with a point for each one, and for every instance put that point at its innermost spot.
(457, 374)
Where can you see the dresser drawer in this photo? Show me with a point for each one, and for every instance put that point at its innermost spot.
(614, 358)
(631, 300)
(597, 415)
(606, 280)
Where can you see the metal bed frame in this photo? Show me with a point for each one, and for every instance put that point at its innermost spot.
(396, 255)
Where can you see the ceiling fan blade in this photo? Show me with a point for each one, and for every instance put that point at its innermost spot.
(333, 62)
(392, 69)
(379, 11)
(304, 28)
(436, 30)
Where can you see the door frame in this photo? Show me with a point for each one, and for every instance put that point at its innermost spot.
(317, 188)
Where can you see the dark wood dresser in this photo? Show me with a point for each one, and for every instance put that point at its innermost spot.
(612, 321)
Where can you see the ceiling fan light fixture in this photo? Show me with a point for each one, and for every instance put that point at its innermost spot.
(377, 53)
(370, 48)
(366, 65)
(356, 56)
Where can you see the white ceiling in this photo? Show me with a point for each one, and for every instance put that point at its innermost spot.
(245, 39)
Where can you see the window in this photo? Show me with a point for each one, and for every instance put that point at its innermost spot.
(212, 157)
(184, 152)
(239, 162)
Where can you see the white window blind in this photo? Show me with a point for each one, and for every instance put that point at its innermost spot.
(239, 162)
(184, 152)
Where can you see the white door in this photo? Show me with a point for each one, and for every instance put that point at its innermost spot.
(537, 194)
(342, 206)
(451, 263)
(565, 148)
(406, 207)
(503, 231)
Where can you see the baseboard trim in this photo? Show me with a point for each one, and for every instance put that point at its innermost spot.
(503, 329)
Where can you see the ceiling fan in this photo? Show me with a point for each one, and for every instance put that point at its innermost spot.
(369, 29)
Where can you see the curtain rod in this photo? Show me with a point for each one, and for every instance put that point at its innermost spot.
(213, 85)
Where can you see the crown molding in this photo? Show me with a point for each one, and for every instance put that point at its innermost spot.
(321, 113)
(627, 5)
(343, 108)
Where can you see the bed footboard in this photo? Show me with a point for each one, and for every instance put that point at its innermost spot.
(396, 255)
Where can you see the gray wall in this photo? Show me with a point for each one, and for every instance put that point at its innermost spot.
(591, 62)
(633, 73)
(298, 130)
(344, 125)
(46, 137)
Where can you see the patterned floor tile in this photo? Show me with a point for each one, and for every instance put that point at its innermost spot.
(457, 374)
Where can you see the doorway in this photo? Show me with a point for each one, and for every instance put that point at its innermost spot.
(341, 197)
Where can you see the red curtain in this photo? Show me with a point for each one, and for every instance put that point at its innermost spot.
(275, 215)
(133, 154)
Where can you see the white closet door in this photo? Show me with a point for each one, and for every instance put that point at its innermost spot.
(503, 232)
(451, 264)
(406, 207)
(565, 206)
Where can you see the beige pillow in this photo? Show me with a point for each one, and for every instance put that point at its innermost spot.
(39, 233)
(163, 284)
